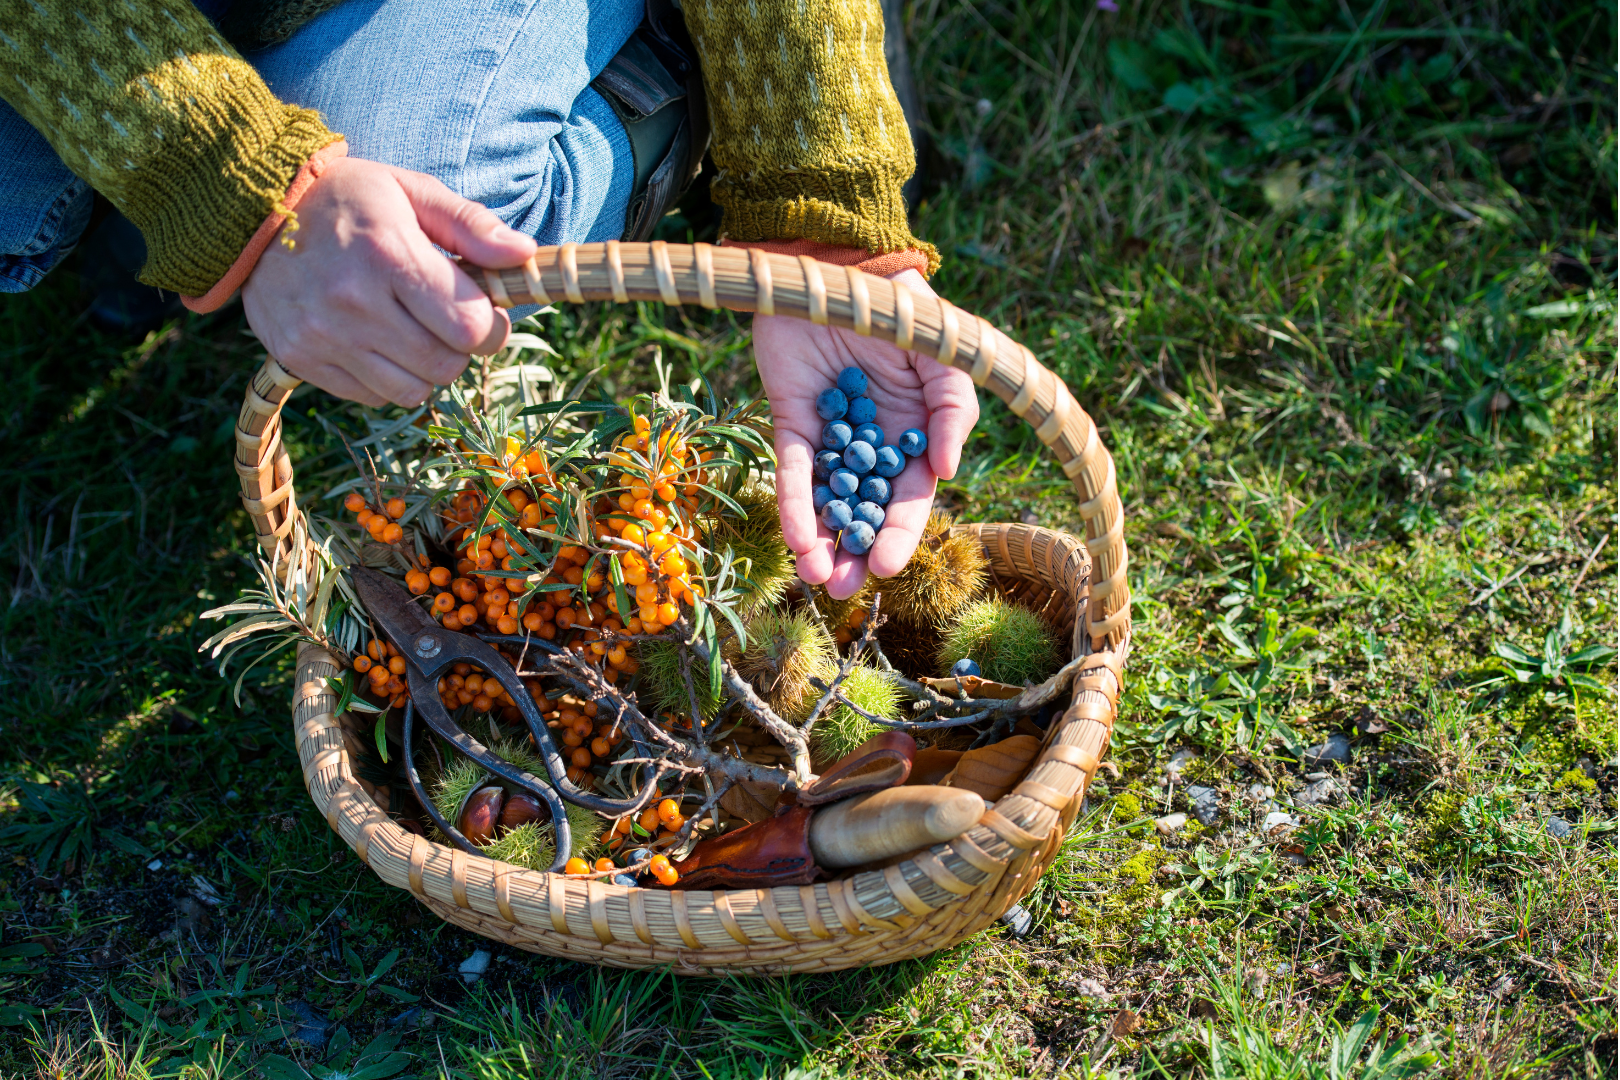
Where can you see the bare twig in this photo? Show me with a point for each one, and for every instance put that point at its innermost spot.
(908, 725)
(868, 639)
(779, 729)
(1604, 539)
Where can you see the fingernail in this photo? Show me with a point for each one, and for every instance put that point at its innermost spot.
(505, 234)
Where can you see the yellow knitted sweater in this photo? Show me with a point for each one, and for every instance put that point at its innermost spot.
(146, 102)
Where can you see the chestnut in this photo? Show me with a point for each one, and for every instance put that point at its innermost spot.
(480, 814)
(521, 809)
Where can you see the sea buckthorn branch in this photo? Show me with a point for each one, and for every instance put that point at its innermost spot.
(781, 730)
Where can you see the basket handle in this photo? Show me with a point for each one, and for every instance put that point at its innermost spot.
(740, 279)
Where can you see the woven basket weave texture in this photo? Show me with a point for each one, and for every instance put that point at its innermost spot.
(931, 900)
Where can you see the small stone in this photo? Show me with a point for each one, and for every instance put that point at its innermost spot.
(1170, 823)
(1315, 794)
(1261, 792)
(1018, 921)
(1205, 803)
(1337, 748)
(474, 966)
(1557, 827)
(1317, 775)
(1278, 821)
(307, 1027)
(155, 865)
(1178, 761)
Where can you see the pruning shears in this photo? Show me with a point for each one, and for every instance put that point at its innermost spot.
(430, 651)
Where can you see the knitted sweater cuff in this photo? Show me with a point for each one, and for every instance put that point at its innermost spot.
(847, 207)
(204, 205)
(237, 275)
(885, 265)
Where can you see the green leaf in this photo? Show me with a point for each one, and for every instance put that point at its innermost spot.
(380, 733)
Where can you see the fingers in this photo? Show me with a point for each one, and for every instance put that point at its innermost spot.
(497, 335)
(815, 563)
(795, 467)
(462, 226)
(903, 521)
(953, 410)
(847, 577)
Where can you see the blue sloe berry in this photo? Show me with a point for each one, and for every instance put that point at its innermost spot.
(913, 443)
(858, 537)
(870, 433)
(837, 515)
(869, 512)
(875, 489)
(852, 381)
(837, 435)
(861, 411)
(821, 496)
(843, 484)
(826, 462)
(859, 457)
(831, 404)
(889, 463)
(964, 667)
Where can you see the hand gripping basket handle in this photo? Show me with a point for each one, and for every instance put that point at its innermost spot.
(749, 280)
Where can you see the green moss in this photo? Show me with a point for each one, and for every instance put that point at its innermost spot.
(1127, 808)
(1009, 642)
(1138, 867)
(1576, 780)
(843, 729)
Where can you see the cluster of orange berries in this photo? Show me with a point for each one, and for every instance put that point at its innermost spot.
(584, 739)
(852, 625)
(659, 866)
(467, 684)
(660, 823)
(383, 525)
(384, 669)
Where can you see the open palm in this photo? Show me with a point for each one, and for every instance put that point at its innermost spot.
(798, 360)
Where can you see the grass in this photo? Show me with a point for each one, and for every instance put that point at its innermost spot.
(1338, 283)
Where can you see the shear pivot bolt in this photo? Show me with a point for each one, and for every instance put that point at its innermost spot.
(427, 645)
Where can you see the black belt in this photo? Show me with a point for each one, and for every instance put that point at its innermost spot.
(655, 86)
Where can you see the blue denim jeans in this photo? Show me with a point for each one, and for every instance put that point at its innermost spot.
(492, 97)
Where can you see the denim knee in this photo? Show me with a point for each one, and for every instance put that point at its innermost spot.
(43, 207)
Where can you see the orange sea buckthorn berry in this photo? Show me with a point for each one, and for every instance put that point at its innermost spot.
(506, 625)
(374, 649)
(576, 865)
(668, 613)
(439, 575)
(354, 502)
(532, 621)
(417, 582)
(666, 491)
(565, 618)
(660, 866)
(396, 664)
(377, 674)
(605, 865)
(649, 819)
(669, 877)
(392, 532)
(467, 614)
(362, 664)
(668, 809)
(482, 703)
(395, 507)
(601, 747)
(375, 524)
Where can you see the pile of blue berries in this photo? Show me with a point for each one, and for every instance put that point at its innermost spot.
(854, 469)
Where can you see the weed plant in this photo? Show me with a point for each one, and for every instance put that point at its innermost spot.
(1337, 281)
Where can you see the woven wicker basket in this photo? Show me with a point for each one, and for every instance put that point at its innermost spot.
(931, 901)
